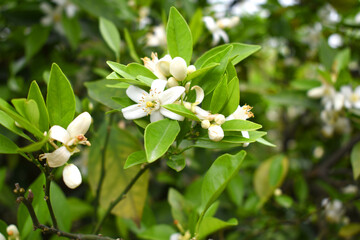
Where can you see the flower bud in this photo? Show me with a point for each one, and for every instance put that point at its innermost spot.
(175, 236)
(191, 69)
(171, 82)
(216, 133)
(163, 66)
(205, 124)
(219, 119)
(71, 176)
(80, 125)
(277, 192)
(12, 231)
(187, 105)
(187, 87)
(178, 68)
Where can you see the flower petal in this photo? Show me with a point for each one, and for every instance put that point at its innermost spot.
(178, 68)
(58, 157)
(171, 115)
(158, 85)
(346, 90)
(316, 92)
(59, 134)
(133, 112)
(171, 95)
(135, 93)
(80, 125)
(199, 94)
(245, 134)
(156, 116)
(209, 23)
(72, 176)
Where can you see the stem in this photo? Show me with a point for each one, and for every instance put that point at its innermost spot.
(48, 177)
(53, 230)
(102, 169)
(120, 197)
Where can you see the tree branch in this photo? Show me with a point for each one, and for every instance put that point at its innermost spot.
(48, 177)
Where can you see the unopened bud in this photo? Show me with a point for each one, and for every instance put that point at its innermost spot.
(72, 176)
(187, 87)
(277, 192)
(172, 82)
(205, 124)
(216, 133)
(178, 68)
(22, 190)
(191, 69)
(219, 119)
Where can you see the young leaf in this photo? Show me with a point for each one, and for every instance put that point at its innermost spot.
(176, 162)
(218, 176)
(120, 69)
(9, 123)
(135, 158)
(111, 35)
(136, 69)
(7, 146)
(240, 125)
(35, 94)
(181, 110)
(60, 99)
(34, 146)
(157, 232)
(158, 138)
(355, 160)
(28, 109)
(178, 36)
(211, 225)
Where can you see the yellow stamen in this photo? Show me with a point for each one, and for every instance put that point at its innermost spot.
(149, 104)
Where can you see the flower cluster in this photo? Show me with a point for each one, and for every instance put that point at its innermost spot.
(217, 27)
(172, 74)
(69, 139)
(12, 232)
(334, 103)
(334, 211)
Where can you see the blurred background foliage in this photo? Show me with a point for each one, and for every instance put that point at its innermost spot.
(280, 191)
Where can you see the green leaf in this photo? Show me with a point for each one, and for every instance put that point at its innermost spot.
(263, 188)
(34, 146)
(275, 171)
(111, 35)
(181, 110)
(127, 81)
(235, 137)
(199, 73)
(180, 208)
(265, 142)
(28, 109)
(35, 94)
(196, 25)
(176, 162)
(131, 46)
(158, 138)
(120, 145)
(355, 160)
(79, 208)
(120, 69)
(218, 176)
(59, 203)
(10, 111)
(233, 97)
(239, 125)
(99, 91)
(72, 30)
(178, 36)
(136, 69)
(3, 227)
(342, 60)
(157, 232)
(219, 97)
(7, 146)
(145, 80)
(284, 201)
(35, 40)
(236, 190)
(326, 54)
(349, 230)
(9, 123)
(211, 225)
(135, 158)
(60, 99)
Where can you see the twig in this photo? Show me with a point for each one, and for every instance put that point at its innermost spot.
(52, 230)
(102, 169)
(120, 197)
(48, 176)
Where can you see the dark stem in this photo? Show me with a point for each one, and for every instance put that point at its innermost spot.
(120, 197)
(102, 167)
(48, 176)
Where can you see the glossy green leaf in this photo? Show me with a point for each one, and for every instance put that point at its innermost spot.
(34, 146)
(99, 91)
(178, 36)
(72, 30)
(121, 145)
(239, 125)
(196, 25)
(136, 69)
(219, 97)
(157, 232)
(199, 73)
(218, 176)
(181, 110)
(35, 94)
(7, 146)
(145, 80)
(211, 225)
(59, 203)
(265, 142)
(235, 137)
(35, 40)
(131, 47)
(111, 35)
(28, 109)
(135, 158)
(158, 138)
(9, 123)
(276, 170)
(355, 160)
(121, 81)
(233, 97)
(60, 99)
(176, 162)
(120, 69)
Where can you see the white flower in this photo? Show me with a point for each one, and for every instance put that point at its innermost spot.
(52, 16)
(178, 68)
(216, 31)
(175, 236)
(70, 137)
(242, 113)
(70, 8)
(330, 98)
(13, 232)
(144, 20)
(216, 133)
(352, 98)
(2, 237)
(350, 189)
(72, 176)
(151, 103)
(333, 121)
(157, 38)
(334, 210)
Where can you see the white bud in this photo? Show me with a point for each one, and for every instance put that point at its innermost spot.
(175, 236)
(277, 192)
(2, 237)
(219, 119)
(171, 82)
(71, 176)
(205, 124)
(191, 69)
(12, 231)
(163, 66)
(187, 87)
(187, 105)
(178, 68)
(216, 133)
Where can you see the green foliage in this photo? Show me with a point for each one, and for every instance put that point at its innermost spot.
(111, 35)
